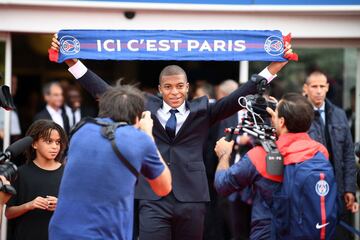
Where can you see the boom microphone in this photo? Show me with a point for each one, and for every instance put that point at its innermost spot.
(16, 148)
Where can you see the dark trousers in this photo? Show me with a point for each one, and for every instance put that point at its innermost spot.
(240, 217)
(217, 222)
(169, 219)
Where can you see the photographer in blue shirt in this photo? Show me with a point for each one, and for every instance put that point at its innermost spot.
(97, 190)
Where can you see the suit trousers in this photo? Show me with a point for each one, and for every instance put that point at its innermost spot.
(170, 219)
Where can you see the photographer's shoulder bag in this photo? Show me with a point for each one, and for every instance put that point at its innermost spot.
(108, 131)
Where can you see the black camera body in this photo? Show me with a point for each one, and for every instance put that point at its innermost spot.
(9, 171)
(7, 168)
(258, 124)
(257, 103)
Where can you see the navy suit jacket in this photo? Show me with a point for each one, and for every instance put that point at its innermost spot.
(184, 155)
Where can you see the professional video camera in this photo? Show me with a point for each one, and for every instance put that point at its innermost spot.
(257, 124)
(7, 168)
(258, 103)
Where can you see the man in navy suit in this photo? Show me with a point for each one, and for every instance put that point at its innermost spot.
(180, 131)
(53, 95)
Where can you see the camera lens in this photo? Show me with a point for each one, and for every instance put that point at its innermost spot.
(129, 14)
(9, 171)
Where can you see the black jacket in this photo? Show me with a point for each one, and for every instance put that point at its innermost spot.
(340, 147)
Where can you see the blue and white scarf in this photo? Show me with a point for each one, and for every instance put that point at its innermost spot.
(180, 45)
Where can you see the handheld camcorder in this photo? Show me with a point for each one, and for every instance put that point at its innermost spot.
(7, 168)
(257, 103)
(257, 123)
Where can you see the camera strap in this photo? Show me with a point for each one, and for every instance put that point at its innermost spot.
(108, 131)
(274, 160)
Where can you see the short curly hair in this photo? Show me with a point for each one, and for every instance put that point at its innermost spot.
(41, 129)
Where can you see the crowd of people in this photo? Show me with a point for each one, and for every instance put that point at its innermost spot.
(168, 153)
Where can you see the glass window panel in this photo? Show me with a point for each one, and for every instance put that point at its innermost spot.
(291, 79)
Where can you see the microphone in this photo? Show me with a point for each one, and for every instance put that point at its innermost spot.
(16, 148)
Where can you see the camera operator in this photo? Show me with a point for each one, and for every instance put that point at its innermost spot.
(292, 119)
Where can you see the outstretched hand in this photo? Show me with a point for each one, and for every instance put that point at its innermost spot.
(146, 123)
(55, 46)
(275, 67)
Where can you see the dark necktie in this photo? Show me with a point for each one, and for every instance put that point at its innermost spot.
(320, 125)
(73, 116)
(170, 126)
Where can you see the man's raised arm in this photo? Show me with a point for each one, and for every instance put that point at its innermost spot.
(229, 105)
(95, 85)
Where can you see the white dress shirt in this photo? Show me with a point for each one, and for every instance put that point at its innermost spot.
(79, 69)
(56, 115)
(322, 112)
(163, 115)
(14, 122)
(70, 114)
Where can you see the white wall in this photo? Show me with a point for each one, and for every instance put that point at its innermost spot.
(303, 22)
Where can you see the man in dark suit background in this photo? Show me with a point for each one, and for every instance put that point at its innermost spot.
(235, 209)
(180, 131)
(74, 108)
(53, 96)
(330, 127)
